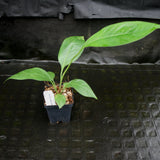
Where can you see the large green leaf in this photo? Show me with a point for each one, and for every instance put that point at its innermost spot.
(35, 73)
(70, 50)
(121, 33)
(60, 100)
(81, 87)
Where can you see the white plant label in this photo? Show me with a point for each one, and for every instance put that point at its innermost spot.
(49, 98)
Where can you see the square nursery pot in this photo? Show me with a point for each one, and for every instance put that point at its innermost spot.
(57, 115)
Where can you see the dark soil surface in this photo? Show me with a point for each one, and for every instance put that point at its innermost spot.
(68, 93)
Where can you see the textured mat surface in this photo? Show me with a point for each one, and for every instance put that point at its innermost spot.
(124, 124)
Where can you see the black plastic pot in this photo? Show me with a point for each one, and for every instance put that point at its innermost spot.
(57, 115)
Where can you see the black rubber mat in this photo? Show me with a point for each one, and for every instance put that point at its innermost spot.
(124, 124)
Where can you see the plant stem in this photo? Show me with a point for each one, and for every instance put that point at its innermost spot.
(61, 78)
(54, 86)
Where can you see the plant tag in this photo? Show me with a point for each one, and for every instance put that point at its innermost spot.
(49, 98)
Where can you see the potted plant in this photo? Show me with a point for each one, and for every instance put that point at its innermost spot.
(60, 96)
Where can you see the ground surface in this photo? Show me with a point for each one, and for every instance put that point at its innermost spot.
(124, 124)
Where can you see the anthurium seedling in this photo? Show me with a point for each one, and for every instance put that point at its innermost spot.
(72, 47)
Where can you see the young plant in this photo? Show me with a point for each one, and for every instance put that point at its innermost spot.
(72, 48)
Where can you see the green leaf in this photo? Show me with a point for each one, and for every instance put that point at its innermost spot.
(60, 100)
(51, 74)
(121, 33)
(35, 73)
(70, 50)
(81, 87)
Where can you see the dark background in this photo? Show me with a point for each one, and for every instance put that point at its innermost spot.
(36, 29)
(123, 124)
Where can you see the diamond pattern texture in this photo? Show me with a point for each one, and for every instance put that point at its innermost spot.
(124, 124)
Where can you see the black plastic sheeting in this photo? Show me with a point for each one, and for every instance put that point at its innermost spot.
(82, 8)
(36, 8)
(40, 39)
(117, 9)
